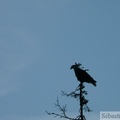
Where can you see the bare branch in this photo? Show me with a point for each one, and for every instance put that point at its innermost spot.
(59, 115)
(62, 110)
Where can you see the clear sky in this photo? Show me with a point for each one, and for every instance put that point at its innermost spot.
(41, 39)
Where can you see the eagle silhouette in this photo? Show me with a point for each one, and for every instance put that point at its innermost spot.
(82, 75)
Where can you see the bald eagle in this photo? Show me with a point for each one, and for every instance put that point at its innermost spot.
(82, 75)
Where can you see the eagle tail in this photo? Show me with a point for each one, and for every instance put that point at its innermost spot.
(94, 83)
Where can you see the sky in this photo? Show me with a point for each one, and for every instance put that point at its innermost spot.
(41, 39)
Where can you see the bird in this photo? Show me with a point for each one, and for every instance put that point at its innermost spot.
(82, 75)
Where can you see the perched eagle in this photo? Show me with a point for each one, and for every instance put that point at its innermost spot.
(82, 75)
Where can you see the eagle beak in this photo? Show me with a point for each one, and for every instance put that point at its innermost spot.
(71, 67)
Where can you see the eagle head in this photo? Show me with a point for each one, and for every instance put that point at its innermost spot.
(75, 66)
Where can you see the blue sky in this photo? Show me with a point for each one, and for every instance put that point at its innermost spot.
(41, 39)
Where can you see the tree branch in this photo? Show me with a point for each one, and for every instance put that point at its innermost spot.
(62, 110)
